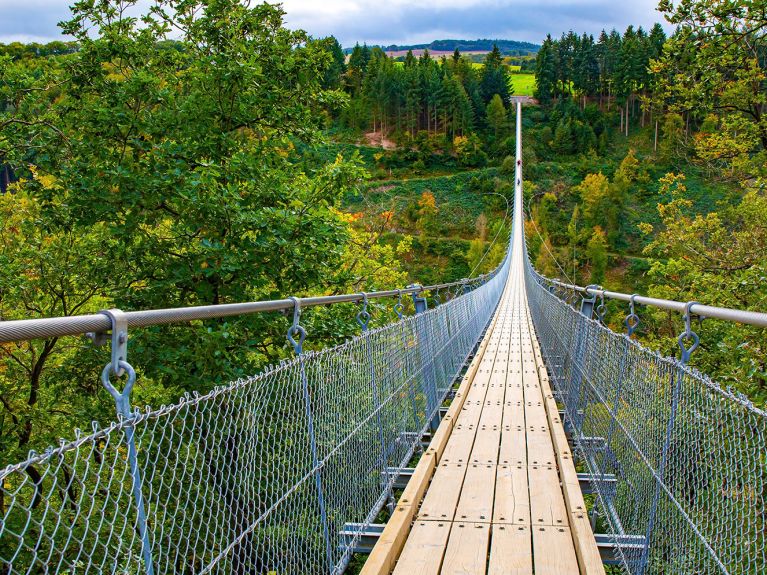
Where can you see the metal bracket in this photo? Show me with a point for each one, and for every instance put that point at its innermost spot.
(119, 339)
(588, 301)
(421, 305)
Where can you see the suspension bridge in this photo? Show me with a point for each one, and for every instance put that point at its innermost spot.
(505, 430)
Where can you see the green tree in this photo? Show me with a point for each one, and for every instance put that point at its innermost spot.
(716, 258)
(545, 72)
(495, 77)
(337, 67)
(497, 119)
(596, 251)
(715, 64)
(161, 191)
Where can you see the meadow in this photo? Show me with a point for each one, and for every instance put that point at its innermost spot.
(523, 84)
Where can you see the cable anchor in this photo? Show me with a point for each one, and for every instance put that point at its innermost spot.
(601, 309)
(399, 307)
(118, 364)
(632, 319)
(363, 317)
(296, 330)
(688, 334)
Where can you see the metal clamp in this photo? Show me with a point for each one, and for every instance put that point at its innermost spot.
(399, 307)
(632, 319)
(688, 334)
(363, 317)
(119, 340)
(588, 300)
(296, 329)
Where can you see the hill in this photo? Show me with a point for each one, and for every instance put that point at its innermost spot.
(507, 47)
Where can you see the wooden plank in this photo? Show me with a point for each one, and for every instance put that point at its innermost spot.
(535, 412)
(513, 445)
(512, 495)
(459, 445)
(571, 486)
(424, 549)
(419, 482)
(486, 445)
(511, 551)
(589, 560)
(442, 497)
(553, 551)
(547, 504)
(467, 549)
(389, 546)
(540, 450)
(441, 438)
(476, 501)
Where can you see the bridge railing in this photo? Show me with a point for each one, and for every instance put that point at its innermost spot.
(259, 476)
(679, 465)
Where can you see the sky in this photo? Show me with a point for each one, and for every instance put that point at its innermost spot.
(393, 21)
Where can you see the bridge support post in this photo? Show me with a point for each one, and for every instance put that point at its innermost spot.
(427, 366)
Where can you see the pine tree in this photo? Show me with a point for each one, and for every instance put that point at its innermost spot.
(495, 77)
(337, 67)
(545, 72)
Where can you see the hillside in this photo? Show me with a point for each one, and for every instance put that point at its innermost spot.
(507, 47)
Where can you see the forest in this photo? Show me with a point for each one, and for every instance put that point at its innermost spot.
(307, 171)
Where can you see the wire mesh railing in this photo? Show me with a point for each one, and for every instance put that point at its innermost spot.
(679, 465)
(259, 476)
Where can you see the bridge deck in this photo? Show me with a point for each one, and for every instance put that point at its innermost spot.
(496, 492)
(504, 495)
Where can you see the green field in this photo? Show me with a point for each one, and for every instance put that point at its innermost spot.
(524, 84)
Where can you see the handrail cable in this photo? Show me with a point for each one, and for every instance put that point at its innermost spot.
(696, 309)
(26, 329)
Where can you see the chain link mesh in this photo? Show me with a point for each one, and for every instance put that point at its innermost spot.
(689, 457)
(260, 476)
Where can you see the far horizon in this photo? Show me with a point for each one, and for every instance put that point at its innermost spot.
(398, 22)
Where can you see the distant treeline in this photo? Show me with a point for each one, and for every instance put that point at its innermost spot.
(17, 50)
(507, 47)
(449, 96)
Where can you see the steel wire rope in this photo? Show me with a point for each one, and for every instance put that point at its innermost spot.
(543, 242)
(497, 234)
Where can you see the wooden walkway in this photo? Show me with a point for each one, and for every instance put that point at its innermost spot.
(496, 492)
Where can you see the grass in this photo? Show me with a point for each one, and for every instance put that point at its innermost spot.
(524, 84)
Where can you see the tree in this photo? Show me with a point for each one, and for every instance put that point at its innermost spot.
(495, 77)
(497, 117)
(427, 211)
(594, 191)
(717, 258)
(545, 72)
(597, 253)
(469, 152)
(337, 67)
(161, 192)
(715, 64)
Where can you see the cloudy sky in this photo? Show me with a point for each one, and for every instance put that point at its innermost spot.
(393, 21)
